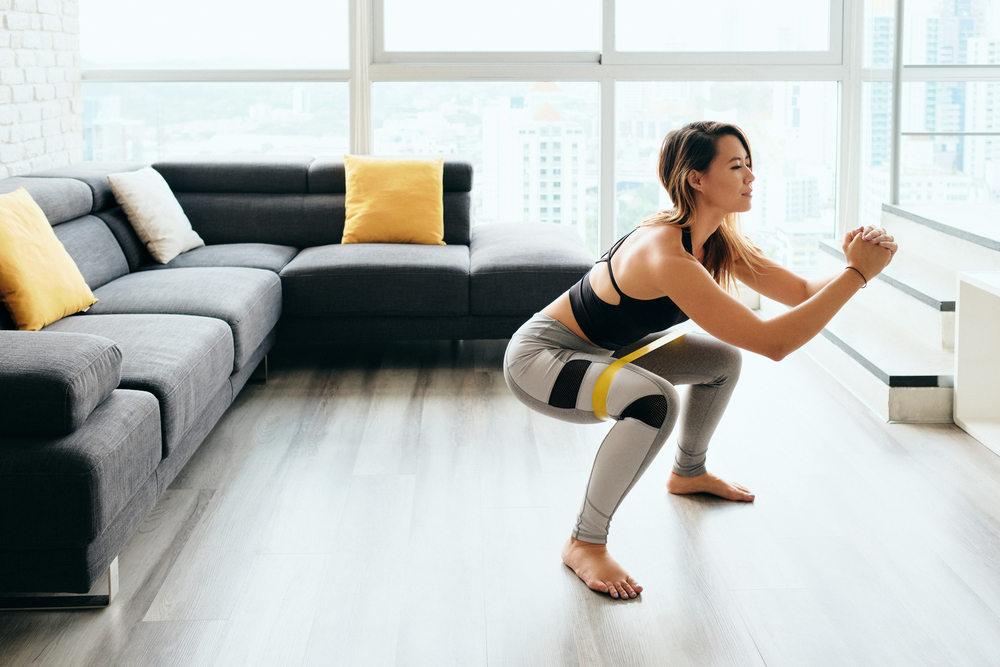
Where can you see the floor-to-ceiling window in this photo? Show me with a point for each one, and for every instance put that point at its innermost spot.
(561, 107)
(950, 108)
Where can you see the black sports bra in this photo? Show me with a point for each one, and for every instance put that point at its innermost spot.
(613, 326)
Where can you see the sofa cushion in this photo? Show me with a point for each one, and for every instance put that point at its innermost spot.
(393, 201)
(296, 220)
(249, 300)
(94, 248)
(180, 359)
(271, 174)
(135, 252)
(66, 491)
(249, 255)
(154, 213)
(61, 199)
(377, 279)
(519, 268)
(51, 382)
(327, 177)
(95, 176)
(39, 281)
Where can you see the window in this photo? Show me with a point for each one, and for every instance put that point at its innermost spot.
(764, 25)
(129, 116)
(501, 84)
(144, 122)
(795, 166)
(213, 34)
(483, 25)
(950, 143)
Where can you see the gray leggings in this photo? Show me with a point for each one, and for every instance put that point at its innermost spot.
(552, 370)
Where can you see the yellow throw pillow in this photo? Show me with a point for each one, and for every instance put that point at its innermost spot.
(394, 201)
(39, 282)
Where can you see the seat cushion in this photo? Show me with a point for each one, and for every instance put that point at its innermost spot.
(249, 255)
(519, 268)
(380, 279)
(180, 359)
(66, 491)
(249, 300)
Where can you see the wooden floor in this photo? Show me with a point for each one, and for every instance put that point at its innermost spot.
(397, 506)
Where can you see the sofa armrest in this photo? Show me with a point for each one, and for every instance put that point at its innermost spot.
(517, 268)
(51, 381)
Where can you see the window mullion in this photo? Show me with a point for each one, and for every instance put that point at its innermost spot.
(362, 38)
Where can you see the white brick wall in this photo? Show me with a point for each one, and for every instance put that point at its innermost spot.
(41, 111)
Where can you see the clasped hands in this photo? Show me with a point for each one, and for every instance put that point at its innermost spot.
(861, 255)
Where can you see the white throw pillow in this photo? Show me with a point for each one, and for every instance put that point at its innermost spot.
(154, 212)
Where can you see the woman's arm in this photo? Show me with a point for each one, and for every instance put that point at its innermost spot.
(776, 282)
(691, 287)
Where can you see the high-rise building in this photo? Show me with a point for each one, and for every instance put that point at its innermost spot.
(534, 160)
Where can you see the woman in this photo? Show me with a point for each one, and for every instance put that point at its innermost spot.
(674, 266)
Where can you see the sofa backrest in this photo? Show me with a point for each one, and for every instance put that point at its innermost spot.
(297, 201)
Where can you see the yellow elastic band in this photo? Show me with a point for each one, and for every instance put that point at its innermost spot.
(608, 375)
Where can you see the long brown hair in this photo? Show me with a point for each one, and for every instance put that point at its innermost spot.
(693, 147)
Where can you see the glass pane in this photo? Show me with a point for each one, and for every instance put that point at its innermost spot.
(722, 25)
(944, 167)
(152, 121)
(876, 150)
(214, 34)
(879, 32)
(485, 25)
(946, 32)
(792, 127)
(533, 146)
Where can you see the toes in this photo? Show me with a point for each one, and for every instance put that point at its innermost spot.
(635, 585)
(620, 590)
(629, 591)
(599, 586)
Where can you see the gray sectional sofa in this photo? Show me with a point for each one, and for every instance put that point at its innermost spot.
(101, 410)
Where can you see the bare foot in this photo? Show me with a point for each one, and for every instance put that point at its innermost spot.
(598, 569)
(708, 483)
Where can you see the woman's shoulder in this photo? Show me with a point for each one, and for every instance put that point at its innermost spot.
(661, 243)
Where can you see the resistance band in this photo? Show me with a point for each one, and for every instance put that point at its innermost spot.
(605, 379)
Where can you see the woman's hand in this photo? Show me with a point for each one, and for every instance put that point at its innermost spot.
(868, 255)
(879, 236)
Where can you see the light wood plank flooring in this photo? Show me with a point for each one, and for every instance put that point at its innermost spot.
(397, 506)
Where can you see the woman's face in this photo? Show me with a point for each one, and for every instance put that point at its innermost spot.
(728, 183)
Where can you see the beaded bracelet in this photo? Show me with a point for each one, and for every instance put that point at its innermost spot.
(860, 274)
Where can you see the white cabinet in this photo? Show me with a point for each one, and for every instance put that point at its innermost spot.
(977, 356)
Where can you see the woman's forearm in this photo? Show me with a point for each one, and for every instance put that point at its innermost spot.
(814, 285)
(793, 329)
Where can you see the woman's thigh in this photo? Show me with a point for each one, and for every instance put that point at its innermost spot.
(559, 381)
(696, 358)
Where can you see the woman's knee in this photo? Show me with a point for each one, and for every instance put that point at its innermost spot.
(722, 360)
(732, 361)
(654, 409)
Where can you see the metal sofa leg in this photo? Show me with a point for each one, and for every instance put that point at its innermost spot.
(259, 375)
(36, 601)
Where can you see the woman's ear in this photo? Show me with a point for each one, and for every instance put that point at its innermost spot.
(694, 179)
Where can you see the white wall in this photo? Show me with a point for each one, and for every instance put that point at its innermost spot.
(41, 111)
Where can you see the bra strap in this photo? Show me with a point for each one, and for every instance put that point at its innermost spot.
(685, 239)
(610, 254)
